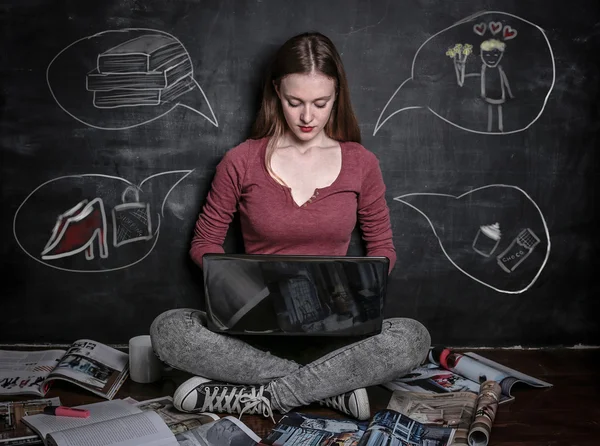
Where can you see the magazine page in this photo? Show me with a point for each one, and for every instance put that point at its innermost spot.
(433, 378)
(24, 372)
(94, 366)
(118, 383)
(512, 376)
(391, 427)
(176, 421)
(44, 424)
(469, 367)
(455, 410)
(226, 431)
(12, 431)
(297, 428)
(477, 368)
(141, 429)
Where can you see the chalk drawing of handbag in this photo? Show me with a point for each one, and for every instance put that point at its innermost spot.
(131, 219)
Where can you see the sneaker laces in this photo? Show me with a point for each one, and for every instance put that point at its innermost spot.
(337, 402)
(238, 400)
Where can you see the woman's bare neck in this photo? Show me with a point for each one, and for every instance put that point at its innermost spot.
(322, 142)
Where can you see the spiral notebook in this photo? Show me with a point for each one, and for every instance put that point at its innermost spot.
(294, 295)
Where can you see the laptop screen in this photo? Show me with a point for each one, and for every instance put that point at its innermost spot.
(294, 295)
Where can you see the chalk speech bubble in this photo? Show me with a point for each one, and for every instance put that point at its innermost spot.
(129, 219)
(517, 90)
(495, 234)
(120, 79)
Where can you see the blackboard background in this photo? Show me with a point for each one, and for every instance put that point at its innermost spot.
(230, 43)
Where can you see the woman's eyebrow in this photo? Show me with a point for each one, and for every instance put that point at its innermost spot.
(322, 98)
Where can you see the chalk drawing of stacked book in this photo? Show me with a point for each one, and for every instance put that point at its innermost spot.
(151, 69)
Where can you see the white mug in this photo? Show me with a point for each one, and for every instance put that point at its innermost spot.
(144, 365)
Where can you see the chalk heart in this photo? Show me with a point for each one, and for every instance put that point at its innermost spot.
(456, 222)
(34, 220)
(495, 27)
(479, 28)
(509, 33)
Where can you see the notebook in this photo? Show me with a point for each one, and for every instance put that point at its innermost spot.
(294, 295)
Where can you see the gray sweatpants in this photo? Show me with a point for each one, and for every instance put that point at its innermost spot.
(180, 339)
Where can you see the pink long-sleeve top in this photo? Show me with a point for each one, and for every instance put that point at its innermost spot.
(272, 222)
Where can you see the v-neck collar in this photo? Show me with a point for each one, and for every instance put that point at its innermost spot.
(287, 189)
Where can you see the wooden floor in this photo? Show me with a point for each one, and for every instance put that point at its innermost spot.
(568, 414)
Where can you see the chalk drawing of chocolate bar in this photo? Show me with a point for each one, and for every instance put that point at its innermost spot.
(520, 248)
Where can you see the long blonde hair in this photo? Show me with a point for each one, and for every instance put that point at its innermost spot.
(303, 54)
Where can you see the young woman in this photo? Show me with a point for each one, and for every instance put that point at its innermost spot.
(300, 184)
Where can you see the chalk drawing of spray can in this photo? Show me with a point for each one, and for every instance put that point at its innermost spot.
(487, 239)
(520, 248)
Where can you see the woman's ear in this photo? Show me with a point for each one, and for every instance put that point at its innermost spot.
(276, 87)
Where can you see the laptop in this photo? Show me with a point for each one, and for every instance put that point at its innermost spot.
(294, 295)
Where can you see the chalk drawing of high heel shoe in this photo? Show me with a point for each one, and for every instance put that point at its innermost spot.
(77, 230)
(131, 219)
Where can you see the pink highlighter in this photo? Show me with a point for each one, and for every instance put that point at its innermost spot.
(62, 411)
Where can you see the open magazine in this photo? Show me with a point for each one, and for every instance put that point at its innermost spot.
(12, 431)
(388, 427)
(471, 415)
(449, 371)
(89, 364)
(130, 423)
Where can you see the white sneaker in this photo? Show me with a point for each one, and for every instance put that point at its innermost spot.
(355, 403)
(200, 394)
